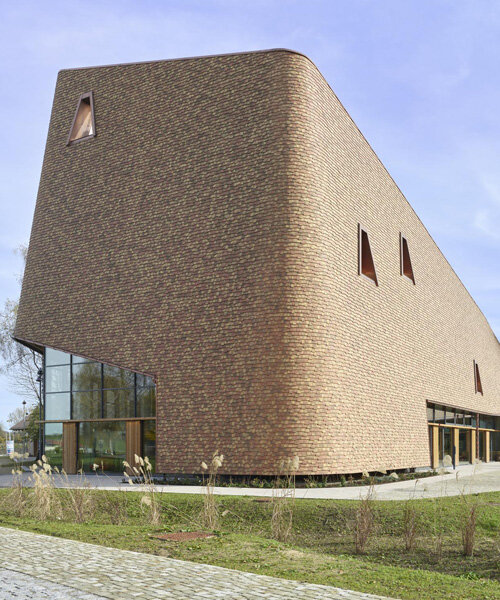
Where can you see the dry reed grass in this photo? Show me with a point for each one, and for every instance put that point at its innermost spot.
(209, 515)
(283, 499)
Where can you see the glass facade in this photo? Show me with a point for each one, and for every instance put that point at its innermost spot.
(80, 389)
(456, 434)
(97, 398)
(102, 443)
(149, 441)
(53, 443)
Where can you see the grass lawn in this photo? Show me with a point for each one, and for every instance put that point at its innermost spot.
(321, 548)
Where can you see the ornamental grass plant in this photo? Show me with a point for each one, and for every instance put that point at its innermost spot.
(283, 499)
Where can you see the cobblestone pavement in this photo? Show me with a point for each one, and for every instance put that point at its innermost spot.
(124, 575)
(18, 586)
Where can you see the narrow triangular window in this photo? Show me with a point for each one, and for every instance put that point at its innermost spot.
(477, 379)
(366, 264)
(83, 125)
(406, 268)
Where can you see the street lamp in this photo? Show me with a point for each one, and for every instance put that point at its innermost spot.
(24, 425)
(39, 378)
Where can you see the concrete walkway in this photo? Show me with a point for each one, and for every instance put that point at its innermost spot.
(467, 479)
(123, 575)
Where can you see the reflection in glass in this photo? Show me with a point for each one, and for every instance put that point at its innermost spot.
(53, 444)
(482, 446)
(430, 413)
(101, 443)
(486, 422)
(439, 414)
(495, 445)
(56, 357)
(118, 404)
(464, 446)
(450, 416)
(87, 405)
(115, 377)
(80, 359)
(149, 442)
(57, 406)
(144, 381)
(146, 403)
(445, 443)
(57, 379)
(122, 387)
(87, 376)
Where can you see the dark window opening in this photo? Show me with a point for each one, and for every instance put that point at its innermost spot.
(366, 264)
(406, 267)
(83, 126)
(477, 379)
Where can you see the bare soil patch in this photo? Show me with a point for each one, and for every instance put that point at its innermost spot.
(183, 536)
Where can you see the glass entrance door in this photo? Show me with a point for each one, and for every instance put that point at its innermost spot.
(445, 443)
(464, 446)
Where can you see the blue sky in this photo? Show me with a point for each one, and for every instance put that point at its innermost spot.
(420, 78)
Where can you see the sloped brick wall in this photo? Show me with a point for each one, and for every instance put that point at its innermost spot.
(208, 236)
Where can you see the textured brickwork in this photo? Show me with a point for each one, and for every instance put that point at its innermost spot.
(208, 236)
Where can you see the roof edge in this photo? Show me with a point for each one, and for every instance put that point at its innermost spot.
(185, 58)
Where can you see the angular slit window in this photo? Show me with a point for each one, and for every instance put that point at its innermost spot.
(366, 264)
(83, 126)
(477, 379)
(406, 268)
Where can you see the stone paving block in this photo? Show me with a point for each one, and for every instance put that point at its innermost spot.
(102, 572)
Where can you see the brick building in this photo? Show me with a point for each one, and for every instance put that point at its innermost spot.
(219, 261)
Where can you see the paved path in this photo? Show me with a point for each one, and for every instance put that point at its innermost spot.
(124, 575)
(468, 479)
(17, 586)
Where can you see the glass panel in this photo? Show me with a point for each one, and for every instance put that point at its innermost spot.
(87, 376)
(430, 413)
(80, 359)
(56, 357)
(117, 378)
(57, 379)
(439, 414)
(445, 443)
(118, 404)
(459, 419)
(144, 381)
(87, 405)
(486, 422)
(495, 445)
(482, 446)
(146, 403)
(450, 416)
(464, 446)
(53, 444)
(149, 442)
(101, 443)
(57, 406)
(468, 419)
(474, 419)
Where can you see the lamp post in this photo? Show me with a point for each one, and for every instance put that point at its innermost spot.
(24, 424)
(39, 378)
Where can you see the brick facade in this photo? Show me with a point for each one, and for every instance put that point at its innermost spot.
(208, 236)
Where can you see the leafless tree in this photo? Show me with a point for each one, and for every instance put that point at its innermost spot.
(18, 363)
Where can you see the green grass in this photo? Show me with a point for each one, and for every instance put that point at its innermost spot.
(321, 548)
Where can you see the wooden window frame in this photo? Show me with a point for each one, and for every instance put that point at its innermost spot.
(90, 96)
(404, 240)
(478, 385)
(362, 230)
